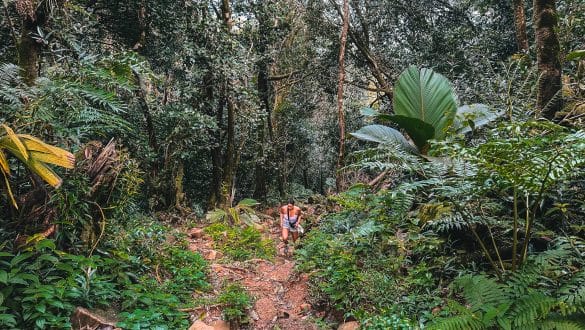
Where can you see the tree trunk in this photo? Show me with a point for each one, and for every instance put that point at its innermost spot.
(141, 94)
(28, 53)
(229, 168)
(34, 15)
(179, 192)
(229, 158)
(362, 44)
(141, 15)
(215, 187)
(263, 87)
(520, 23)
(549, 98)
(29, 50)
(226, 14)
(341, 114)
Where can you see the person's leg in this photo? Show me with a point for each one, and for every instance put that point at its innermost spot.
(284, 235)
(295, 236)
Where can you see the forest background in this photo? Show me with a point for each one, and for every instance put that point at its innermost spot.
(171, 109)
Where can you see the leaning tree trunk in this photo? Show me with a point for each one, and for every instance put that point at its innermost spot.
(520, 23)
(341, 114)
(549, 100)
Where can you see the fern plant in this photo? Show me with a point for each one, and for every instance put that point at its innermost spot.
(543, 294)
(81, 105)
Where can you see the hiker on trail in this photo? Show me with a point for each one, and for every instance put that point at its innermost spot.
(290, 220)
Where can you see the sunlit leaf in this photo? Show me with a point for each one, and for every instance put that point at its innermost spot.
(427, 96)
(384, 135)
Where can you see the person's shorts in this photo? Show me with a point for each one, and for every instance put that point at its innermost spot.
(287, 225)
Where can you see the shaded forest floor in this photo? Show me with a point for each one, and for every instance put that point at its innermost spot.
(280, 294)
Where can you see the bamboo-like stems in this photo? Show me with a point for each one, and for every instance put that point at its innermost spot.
(531, 217)
(479, 240)
(515, 233)
(496, 248)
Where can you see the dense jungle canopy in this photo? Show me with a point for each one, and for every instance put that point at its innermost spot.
(436, 150)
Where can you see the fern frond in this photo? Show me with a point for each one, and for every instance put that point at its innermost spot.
(446, 223)
(531, 308)
(573, 292)
(366, 229)
(465, 320)
(560, 324)
(481, 291)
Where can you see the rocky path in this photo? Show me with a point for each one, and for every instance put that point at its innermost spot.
(280, 294)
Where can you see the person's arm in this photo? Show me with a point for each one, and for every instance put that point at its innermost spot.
(281, 215)
(300, 215)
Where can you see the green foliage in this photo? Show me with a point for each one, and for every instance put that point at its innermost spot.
(527, 299)
(383, 322)
(236, 302)
(147, 306)
(240, 243)
(44, 285)
(533, 155)
(242, 212)
(383, 135)
(425, 107)
(427, 96)
(186, 272)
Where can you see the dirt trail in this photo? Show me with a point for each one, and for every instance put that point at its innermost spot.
(280, 294)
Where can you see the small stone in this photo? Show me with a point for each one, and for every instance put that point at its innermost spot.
(353, 325)
(282, 315)
(305, 307)
(196, 233)
(259, 227)
(213, 255)
(200, 325)
(83, 318)
(220, 325)
(254, 316)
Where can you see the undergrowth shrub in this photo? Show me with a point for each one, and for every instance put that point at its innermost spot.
(41, 286)
(361, 279)
(385, 322)
(548, 292)
(147, 280)
(240, 243)
(236, 302)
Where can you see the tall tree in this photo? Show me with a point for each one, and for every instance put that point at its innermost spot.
(34, 15)
(549, 99)
(520, 23)
(341, 79)
(264, 93)
(229, 158)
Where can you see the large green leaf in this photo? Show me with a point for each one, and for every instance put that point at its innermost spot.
(248, 202)
(471, 116)
(576, 54)
(425, 95)
(384, 135)
(419, 131)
